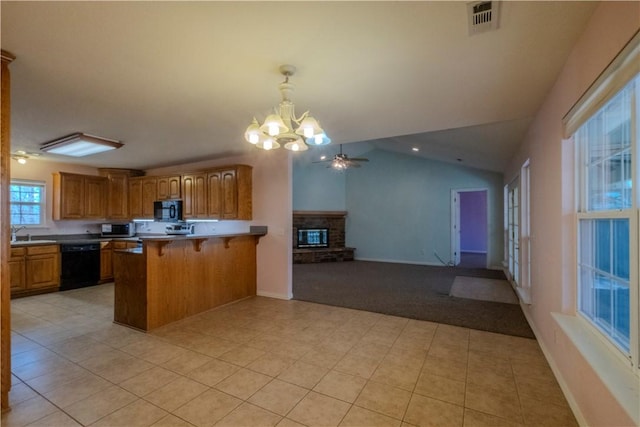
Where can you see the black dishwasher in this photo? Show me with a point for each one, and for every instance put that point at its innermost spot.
(80, 265)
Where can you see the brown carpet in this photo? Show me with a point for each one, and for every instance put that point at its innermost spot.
(413, 291)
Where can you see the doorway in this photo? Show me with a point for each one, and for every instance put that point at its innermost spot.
(469, 235)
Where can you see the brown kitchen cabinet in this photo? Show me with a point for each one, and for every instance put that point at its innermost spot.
(106, 256)
(143, 191)
(106, 261)
(124, 244)
(168, 187)
(229, 193)
(35, 269)
(194, 195)
(78, 196)
(118, 191)
(17, 262)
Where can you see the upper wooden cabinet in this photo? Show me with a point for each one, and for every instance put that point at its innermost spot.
(168, 187)
(118, 191)
(194, 195)
(229, 193)
(143, 191)
(79, 196)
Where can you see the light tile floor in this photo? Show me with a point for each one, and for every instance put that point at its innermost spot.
(268, 362)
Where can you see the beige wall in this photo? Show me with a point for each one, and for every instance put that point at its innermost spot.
(553, 251)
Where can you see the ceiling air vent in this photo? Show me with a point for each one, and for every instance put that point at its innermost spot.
(483, 16)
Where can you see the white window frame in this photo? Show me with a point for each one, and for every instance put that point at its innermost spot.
(622, 70)
(42, 204)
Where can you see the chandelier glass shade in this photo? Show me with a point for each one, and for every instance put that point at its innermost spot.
(283, 128)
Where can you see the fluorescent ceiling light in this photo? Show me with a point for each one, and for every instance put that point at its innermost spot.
(80, 144)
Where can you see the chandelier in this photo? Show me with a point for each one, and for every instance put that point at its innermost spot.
(282, 127)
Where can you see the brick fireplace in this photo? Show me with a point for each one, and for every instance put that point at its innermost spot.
(319, 223)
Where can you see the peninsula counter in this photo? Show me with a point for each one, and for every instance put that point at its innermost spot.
(173, 277)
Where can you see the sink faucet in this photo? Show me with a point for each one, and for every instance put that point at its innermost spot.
(14, 232)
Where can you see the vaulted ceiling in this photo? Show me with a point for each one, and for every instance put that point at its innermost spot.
(180, 81)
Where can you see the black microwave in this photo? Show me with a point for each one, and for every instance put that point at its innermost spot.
(167, 210)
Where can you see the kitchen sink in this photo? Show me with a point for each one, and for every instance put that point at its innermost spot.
(31, 242)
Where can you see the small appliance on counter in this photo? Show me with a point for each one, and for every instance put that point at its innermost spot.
(167, 210)
(118, 230)
(180, 228)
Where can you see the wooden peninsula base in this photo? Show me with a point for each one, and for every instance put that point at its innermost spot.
(174, 277)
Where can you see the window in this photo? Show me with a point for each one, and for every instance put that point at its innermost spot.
(27, 202)
(607, 158)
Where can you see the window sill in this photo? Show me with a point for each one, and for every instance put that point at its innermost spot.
(619, 377)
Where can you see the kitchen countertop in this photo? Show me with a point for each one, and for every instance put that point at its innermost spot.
(72, 241)
(77, 239)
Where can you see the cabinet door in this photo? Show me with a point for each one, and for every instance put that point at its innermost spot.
(17, 271)
(214, 195)
(194, 196)
(106, 261)
(95, 191)
(135, 198)
(69, 195)
(43, 271)
(229, 192)
(117, 196)
(168, 187)
(244, 182)
(149, 195)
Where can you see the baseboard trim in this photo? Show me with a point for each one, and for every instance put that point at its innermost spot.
(556, 372)
(274, 295)
(431, 264)
(462, 251)
(396, 261)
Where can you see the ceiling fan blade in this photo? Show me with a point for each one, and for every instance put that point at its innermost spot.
(359, 159)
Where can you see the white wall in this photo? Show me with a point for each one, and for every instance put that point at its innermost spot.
(553, 240)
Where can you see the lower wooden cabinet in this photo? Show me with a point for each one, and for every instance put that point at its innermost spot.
(106, 261)
(106, 256)
(34, 269)
(17, 263)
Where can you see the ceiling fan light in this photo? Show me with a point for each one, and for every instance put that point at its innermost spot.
(339, 164)
(273, 125)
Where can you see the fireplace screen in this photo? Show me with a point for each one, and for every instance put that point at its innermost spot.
(313, 238)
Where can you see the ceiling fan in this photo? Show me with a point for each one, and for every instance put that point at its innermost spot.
(341, 161)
